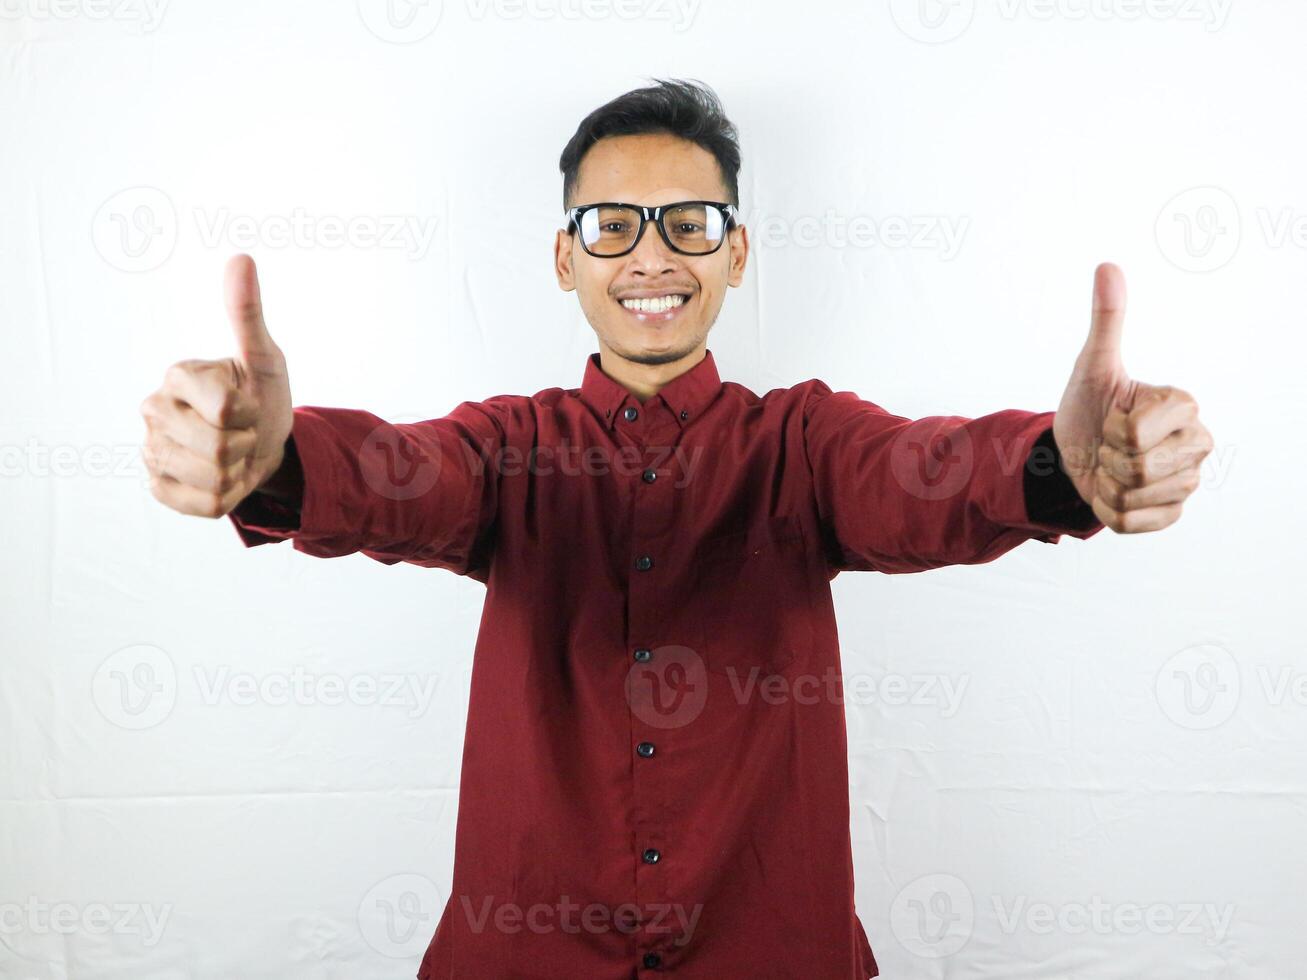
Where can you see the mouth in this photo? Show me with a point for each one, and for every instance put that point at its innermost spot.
(659, 309)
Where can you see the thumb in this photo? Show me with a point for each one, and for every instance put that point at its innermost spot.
(245, 309)
(1103, 346)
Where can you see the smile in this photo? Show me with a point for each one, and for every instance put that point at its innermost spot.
(656, 308)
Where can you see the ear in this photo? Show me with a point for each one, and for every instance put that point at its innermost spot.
(738, 242)
(563, 261)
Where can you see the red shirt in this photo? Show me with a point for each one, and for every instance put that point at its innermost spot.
(655, 774)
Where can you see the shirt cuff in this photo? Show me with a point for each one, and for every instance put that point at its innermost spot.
(1052, 500)
(259, 519)
(262, 519)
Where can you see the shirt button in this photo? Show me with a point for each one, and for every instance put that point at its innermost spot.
(630, 414)
(652, 960)
(642, 654)
(684, 415)
(649, 476)
(644, 563)
(646, 749)
(651, 855)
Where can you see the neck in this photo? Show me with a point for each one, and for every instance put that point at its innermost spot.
(645, 380)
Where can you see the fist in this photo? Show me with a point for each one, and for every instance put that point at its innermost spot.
(216, 430)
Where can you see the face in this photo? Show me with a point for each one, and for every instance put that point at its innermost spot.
(650, 169)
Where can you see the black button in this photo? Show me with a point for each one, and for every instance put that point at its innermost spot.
(652, 960)
(646, 749)
(649, 476)
(684, 415)
(642, 654)
(651, 855)
(630, 414)
(644, 563)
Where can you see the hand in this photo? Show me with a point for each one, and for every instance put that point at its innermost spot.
(1131, 449)
(217, 430)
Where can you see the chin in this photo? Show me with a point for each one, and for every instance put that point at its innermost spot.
(657, 352)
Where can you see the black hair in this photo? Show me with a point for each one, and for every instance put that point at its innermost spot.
(690, 110)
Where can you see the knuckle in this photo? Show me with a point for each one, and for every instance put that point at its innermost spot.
(212, 505)
(1115, 496)
(176, 374)
(227, 402)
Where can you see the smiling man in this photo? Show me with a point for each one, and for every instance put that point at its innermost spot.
(655, 774)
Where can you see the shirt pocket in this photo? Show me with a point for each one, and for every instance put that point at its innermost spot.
(751, 599)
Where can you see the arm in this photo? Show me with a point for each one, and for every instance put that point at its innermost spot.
(419, 492)
(900, 495)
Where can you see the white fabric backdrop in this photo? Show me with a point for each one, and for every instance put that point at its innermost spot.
(1098, 770)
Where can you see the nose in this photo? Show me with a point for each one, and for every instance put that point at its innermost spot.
(651, 255)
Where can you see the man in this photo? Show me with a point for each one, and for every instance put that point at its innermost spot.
(644, 789)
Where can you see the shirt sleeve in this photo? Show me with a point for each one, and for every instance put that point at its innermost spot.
(895, 494)
(418, 492)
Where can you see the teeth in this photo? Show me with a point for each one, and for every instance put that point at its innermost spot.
(660, 305)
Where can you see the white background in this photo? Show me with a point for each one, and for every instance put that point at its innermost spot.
(1064, 817)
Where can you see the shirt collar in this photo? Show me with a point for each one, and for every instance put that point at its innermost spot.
(686, 395)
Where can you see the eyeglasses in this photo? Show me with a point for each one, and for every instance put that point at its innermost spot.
(613, 229)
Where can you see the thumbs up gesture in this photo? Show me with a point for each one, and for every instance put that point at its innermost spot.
(1131, 449)
(216, 430)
